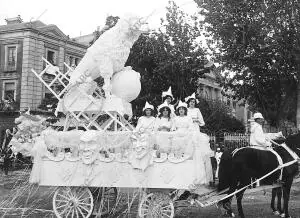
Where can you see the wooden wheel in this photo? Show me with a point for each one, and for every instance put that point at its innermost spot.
(156, 205)
(73, 202)
(105, 200)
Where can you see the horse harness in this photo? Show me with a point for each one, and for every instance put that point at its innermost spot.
(279, 159)
(280, 167)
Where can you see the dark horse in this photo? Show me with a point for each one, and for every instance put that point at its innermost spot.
(236, 171)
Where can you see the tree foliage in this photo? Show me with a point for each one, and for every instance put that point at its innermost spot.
(169, 57)
(218, 117)
(259, 42)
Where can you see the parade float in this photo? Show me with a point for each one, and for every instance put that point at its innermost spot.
(108, 153)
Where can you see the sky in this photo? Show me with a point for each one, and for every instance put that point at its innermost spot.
(77, 18)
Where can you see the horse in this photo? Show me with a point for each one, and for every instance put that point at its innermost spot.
(238, 168)
(277, 192)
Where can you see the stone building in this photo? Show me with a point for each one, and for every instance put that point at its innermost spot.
(210, 88)
(22, 46)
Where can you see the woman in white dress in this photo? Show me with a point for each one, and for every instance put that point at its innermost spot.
(141, 158)
(147, 121)
(194, 112)
(162, 128)
(182, 145)
(168, 98)
(203, 152)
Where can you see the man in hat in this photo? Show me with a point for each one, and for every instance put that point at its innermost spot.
(257, 135)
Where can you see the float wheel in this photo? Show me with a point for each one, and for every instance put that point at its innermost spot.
(73, 202)
(156, 205)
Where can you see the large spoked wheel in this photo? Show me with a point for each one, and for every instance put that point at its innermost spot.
(73, 202)
(156, 205)
(105, 200)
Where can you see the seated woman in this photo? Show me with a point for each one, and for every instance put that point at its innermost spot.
(162, 128)
(182, 140)
(147, 121)
(142, 156)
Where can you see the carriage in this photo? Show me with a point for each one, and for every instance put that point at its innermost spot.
(87, 172)
(89, 163)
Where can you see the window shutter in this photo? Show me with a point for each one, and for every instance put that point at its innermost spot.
(2, 57)
(19, 56)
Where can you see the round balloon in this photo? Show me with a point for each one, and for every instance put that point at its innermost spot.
(126, 84)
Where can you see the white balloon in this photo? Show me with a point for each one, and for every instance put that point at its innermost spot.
(126, 84)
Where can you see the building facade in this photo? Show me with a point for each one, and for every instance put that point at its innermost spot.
(22, 46)
(209, 87)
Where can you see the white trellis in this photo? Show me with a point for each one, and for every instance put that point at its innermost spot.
(85, 109)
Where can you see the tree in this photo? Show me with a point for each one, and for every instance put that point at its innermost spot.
(259, 42)
(218, 118)
(169, 57)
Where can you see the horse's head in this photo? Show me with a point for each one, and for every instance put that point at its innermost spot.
(293, 141)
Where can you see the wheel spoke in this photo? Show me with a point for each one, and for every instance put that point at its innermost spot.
(77, 215)
(68, 192)
(72, 214)
(164, 207)
(72, 192)
(80, 211)
(85, 204)
(60, 206)
(68, 212)
(64, 197)
(59, 200)
(83, 208)
(82, 200)
(83, 192)
(64, 211)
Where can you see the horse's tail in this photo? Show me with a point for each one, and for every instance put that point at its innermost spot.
(225, 171)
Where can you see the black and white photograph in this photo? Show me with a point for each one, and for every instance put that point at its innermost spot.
(149, 109)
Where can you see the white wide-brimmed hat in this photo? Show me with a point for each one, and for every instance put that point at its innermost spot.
(148, 106)
(258, 116)
(165, 104)
(192, 96)
(181, 104)
(168, 93)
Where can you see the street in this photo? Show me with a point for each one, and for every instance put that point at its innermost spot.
(20, 199)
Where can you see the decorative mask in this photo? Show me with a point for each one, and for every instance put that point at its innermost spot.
(89, 151)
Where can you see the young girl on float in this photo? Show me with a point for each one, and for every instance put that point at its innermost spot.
(203, 152)
(182, 144)
(194, 112)
(142, 156)
(168, 98)
(164, 121)
(162, 128)
(147, 121)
